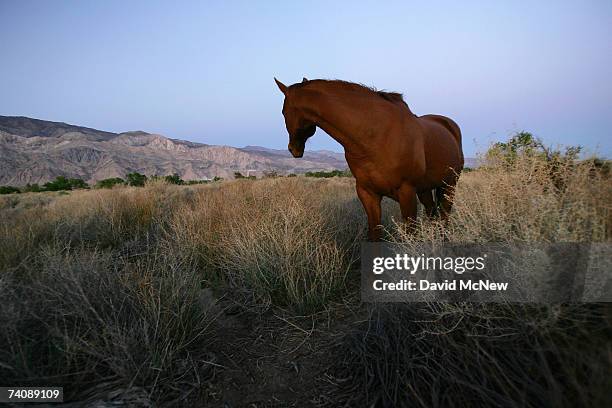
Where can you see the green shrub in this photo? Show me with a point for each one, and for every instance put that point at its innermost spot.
(32, 188)
(110, 182)
(174, 179)
(328, 174)
(136, 179)
(9, 190)
(63, 183)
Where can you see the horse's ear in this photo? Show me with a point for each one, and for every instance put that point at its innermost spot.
(304, 79)
(281, 86)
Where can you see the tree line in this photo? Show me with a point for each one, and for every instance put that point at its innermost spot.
(135, 179)
(62, 183)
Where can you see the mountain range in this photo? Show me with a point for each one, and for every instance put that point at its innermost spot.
(37, 151)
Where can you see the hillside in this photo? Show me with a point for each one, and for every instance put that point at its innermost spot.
(36, 151)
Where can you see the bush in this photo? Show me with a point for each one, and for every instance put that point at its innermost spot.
(63, 183)
(328, 174)
(136, 179)
(32, 188)
(473, 355)
(174, 179)
(110, 182)
(79, 317)
(9, 190)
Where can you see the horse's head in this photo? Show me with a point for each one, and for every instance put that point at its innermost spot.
(298, 126)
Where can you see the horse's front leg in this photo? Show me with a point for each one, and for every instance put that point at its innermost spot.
(407, 198)
(371, 204)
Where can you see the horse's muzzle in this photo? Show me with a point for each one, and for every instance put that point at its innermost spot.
(296, 153)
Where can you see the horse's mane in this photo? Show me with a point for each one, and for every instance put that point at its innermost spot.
(394, 97)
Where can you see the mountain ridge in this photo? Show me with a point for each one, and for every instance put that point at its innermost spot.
(36, 151)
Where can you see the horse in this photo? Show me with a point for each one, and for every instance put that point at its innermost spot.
(391, 151)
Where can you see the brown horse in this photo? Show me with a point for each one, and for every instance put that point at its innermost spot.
(390, 151)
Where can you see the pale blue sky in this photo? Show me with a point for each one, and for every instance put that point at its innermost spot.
(203, 70)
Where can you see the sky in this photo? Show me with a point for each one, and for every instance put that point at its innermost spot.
(203, 70)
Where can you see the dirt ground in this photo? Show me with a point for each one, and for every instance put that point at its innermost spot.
(267, 359)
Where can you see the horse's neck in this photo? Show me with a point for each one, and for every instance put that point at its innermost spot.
(346, 119)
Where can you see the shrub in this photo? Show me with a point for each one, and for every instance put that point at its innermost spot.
(136, 179)
(328, 174)
(63, 183)
(79, 317)
(9, 190)
(32, 188)
(174, 179)
(110, 182)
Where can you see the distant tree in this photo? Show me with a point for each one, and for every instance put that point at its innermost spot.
(291, 175)
(9, 190)
(63, 183)
(270, 174)
(77, 183)
(136, 179)
(328, 174)
(110, 182)
(217, 178)
(32, 188)
(524, 144)
(238, 175)
(174, 179)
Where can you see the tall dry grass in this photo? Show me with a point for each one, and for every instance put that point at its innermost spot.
(105, 286)
(499, 355)
(529, 202)
(290, 240)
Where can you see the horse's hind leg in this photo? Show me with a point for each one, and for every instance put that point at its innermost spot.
(427, 199)
(445, 196)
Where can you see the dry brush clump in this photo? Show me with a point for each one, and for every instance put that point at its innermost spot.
(290, 240)
(528, 202)
(90, 300)
(90, 320)
(458, 355)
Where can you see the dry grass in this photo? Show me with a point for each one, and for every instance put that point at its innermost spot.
(500, 355)
(105, 286)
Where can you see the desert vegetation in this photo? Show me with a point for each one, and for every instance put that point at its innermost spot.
(247, 292)
(135, 179)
